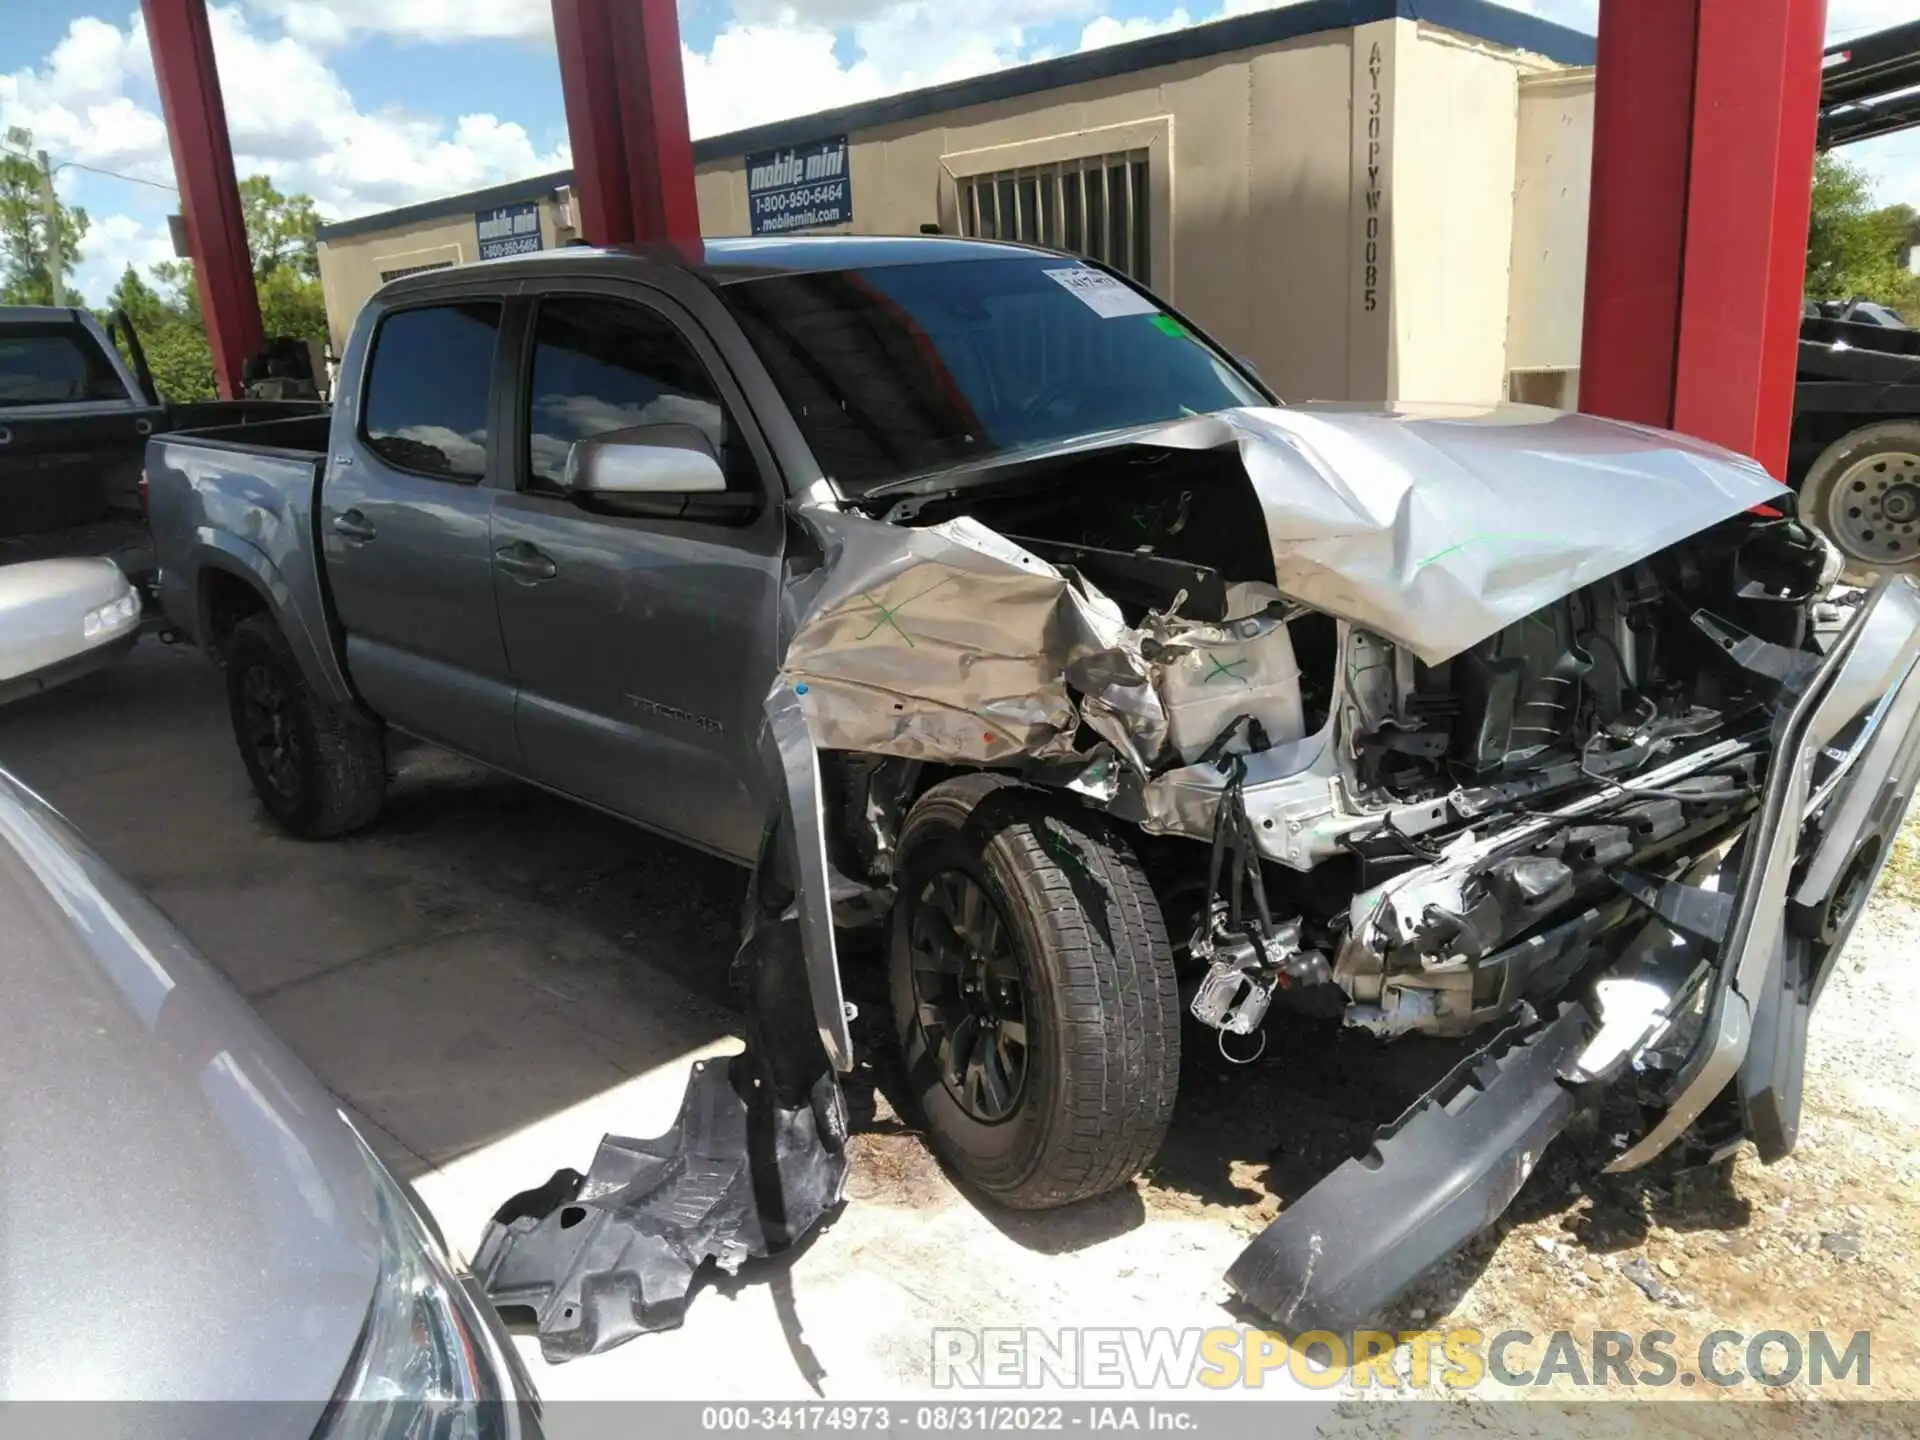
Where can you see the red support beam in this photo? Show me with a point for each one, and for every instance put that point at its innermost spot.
(183, 65)
(1705, 114)
(1637, 225)
(626, 99)
(1756, 114)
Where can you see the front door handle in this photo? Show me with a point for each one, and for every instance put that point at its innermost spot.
(526, 563)
(353, 525)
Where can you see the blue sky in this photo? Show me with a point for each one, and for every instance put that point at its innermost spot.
(367, 104)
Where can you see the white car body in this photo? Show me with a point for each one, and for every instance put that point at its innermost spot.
(61, 618)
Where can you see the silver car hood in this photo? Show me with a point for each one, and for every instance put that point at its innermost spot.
(183, 1213)
(1437, 526)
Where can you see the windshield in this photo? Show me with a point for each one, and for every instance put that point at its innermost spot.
(901, 369)
(52, 365)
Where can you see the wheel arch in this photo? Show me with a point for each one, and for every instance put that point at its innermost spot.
(235, 580)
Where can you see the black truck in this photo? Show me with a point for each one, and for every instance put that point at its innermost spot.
(1856, 433)
(1855, 455)
(75, 417)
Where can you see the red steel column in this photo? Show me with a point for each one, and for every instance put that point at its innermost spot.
(1705, 115)
(183, 65)
(590, 86)
(620, 71)
(1637, 210)
(1755, 119)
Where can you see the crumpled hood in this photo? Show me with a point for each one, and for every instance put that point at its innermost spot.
(1433, 528)
(1437, 526)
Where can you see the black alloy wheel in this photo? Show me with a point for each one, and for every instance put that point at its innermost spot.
(270, 729)
(970, 1001)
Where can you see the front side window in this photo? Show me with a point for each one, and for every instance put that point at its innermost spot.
(600, 366)
(898, 370)
(54, 365)
(428, 387)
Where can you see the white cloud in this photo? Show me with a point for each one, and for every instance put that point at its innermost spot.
(325, 23)
(1108, 31)
(758, 73)
(290, 117)
(114, 242)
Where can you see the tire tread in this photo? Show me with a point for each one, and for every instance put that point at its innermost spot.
(1117, 996)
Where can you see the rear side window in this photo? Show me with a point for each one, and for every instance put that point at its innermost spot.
(427, 389)
(54, 365)
(600, 366)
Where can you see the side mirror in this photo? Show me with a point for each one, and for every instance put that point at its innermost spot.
(645, 460)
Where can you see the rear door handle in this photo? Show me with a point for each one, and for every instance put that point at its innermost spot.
(353, 525)
(525, 562)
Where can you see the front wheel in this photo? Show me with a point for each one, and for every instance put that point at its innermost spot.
(1033, 991)
(320, 770)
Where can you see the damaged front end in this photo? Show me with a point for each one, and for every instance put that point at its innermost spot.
(1506, 724)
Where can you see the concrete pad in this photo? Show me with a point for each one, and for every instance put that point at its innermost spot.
(448, 1044)
(491, 979)
(857, 1311)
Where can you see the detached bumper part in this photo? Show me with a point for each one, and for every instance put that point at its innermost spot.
(1434, 1179)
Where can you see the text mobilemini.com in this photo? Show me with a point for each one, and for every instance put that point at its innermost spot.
(1227, 1358)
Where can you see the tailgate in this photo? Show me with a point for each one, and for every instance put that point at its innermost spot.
(67, 468)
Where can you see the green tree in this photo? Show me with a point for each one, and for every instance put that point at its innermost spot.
(171, 335)
(180, 360)
(139, 300)
(280, 229)
(286, 273)
(1854, 250)
(24, 274)
(292, 304)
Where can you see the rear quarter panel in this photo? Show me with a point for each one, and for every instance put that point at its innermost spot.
(246, 511)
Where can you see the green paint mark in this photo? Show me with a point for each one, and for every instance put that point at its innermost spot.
(888, 614)
(1221, 667)
(1167, 325)
(1491, 536)
(1064, 850)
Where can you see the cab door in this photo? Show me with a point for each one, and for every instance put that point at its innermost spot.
(405, 521)
(641, 647)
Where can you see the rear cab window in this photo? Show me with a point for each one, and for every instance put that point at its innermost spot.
(54, 364)
(428, 388)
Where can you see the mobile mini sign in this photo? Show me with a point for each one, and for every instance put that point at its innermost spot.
(508, 230)
(799, 187)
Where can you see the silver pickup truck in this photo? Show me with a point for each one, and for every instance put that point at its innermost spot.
(1122, 692)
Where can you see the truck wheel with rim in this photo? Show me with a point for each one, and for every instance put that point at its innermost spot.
(1033, 991)
(1863, 494)
(321, 770)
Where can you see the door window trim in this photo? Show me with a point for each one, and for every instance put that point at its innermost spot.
(366, 444)
(517, 472)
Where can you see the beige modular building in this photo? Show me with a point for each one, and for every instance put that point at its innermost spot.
(1369, 199)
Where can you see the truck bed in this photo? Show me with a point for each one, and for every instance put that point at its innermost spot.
(233, 505)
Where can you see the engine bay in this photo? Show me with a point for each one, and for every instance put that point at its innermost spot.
(1421, 846)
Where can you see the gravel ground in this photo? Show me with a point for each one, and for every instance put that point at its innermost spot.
(1825, 1240)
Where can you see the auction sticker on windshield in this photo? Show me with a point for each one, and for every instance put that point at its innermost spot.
(1101, 293)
